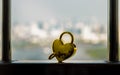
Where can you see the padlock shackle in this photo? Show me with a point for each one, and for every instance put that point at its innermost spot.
(72, 38)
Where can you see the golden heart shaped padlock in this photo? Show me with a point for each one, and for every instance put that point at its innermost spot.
(63, 51)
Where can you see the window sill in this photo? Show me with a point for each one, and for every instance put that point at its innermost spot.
(38, 67)
(65, 62)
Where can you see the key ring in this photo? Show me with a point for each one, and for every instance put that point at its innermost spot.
(72, 38)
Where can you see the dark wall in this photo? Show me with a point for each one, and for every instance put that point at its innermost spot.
(59, 69)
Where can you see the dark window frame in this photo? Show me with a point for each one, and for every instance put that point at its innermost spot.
(112, 38)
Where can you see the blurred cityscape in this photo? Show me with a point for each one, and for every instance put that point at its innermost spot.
(93, 33)
(37, 37)
(35, 24)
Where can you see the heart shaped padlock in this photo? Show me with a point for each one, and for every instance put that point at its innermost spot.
(63, 51)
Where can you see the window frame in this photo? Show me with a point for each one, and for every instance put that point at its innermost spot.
(112, 38)
(113, 29)
(6, 36)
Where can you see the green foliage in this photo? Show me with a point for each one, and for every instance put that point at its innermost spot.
(23, 44)
(98, 52)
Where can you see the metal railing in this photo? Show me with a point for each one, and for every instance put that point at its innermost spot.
(6, 29)
(113, 31)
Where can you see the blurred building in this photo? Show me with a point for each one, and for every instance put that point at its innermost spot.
(53, 28)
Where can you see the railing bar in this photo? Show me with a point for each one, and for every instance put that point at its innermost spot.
(6, 40)
(113, 32)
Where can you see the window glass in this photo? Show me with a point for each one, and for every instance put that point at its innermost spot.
(0, 28)
(37, 23)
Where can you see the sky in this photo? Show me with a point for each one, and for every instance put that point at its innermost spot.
(36, 10)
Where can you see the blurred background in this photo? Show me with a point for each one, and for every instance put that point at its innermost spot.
(37, 23)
